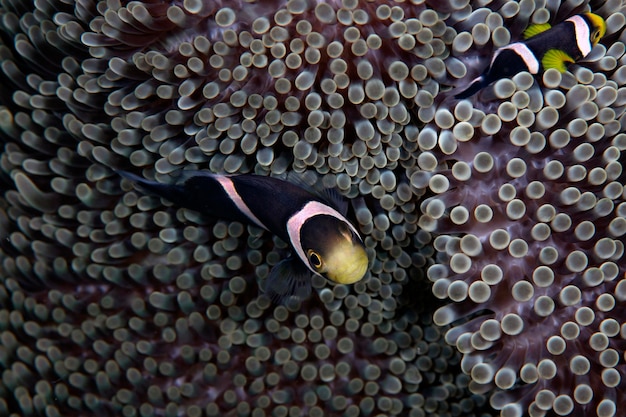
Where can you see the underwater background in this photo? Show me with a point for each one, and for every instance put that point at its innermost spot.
(495, 225)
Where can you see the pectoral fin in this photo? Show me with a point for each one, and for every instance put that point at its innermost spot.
(289, 281)
(557, 59)
(536, 29)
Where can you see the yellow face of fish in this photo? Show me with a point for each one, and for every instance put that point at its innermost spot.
(334, 250)
(345, 262)
(597, 28)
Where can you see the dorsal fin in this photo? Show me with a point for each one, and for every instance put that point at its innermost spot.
(535, 29)
(557, 59)
(313, 184)
(335, 199)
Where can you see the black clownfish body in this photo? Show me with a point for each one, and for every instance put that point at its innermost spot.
(325, 242)
(548, 47)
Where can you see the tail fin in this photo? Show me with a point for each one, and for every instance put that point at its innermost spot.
(473, 88)
(129, 176)
(172, 192)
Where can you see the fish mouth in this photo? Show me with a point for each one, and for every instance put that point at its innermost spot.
(347, 265)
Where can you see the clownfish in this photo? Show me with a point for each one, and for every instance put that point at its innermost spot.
(545, 47)
(325, 242)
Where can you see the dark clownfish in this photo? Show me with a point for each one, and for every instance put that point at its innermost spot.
(325, 242)
(545, 47)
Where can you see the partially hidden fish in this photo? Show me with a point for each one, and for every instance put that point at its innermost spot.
(324, 241)
(545, 47)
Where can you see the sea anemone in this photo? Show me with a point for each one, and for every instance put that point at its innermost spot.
(266, 87)
(529, 208)
(117, 303)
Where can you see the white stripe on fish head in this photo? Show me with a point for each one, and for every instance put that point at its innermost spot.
(530, 60)
(295, 223)
(231, 192)
(581, 31)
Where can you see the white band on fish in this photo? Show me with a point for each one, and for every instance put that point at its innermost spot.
(229, 189)
(295, 222)
(581, 29)
(526, 54)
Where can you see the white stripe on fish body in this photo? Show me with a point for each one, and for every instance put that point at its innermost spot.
(229, 188)
(581, 31)
(295, 222)
(526, 54)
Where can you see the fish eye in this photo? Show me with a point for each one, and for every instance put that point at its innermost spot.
(315, 259)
